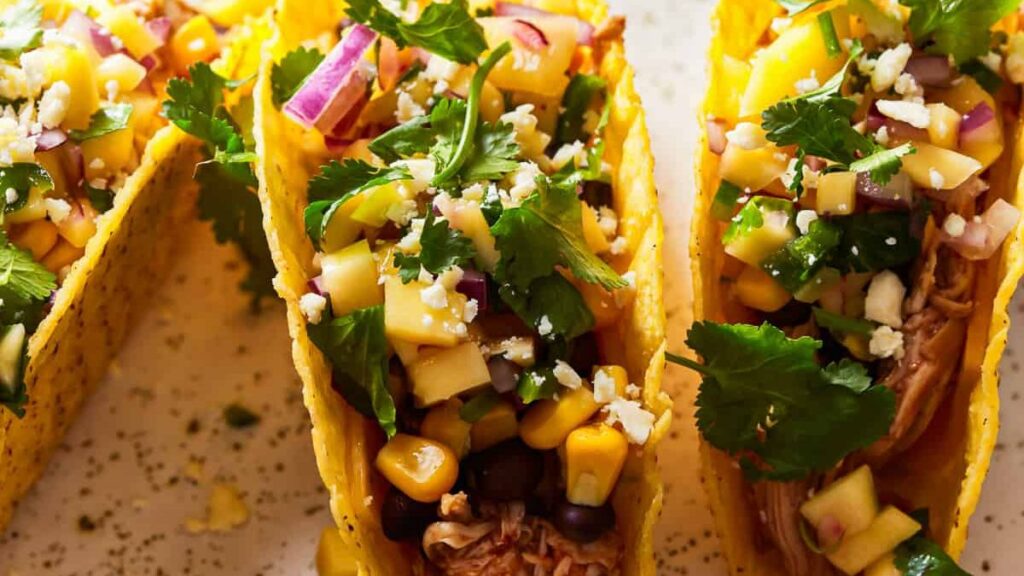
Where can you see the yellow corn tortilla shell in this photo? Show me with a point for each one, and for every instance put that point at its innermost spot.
(105, 290)
(945, 470)
(345, 442)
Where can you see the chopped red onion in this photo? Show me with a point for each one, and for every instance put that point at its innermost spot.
(815, 164)
(529, 35)
(474, 286)
(160, 28)
(50, 139)
(149, 62)
(930, 70)
(584, 30)
(316, 286)
(84, 29)
(335, 93)
(982, 237)
(716, 137)
(504, 374)
(73, 163)
(337, 145)
(897, 193)
(976, 119)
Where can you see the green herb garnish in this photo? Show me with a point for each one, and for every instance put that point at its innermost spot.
(478, 406)
(445, 29)
(104, 121)
(959, 28)
(288, 75)
(441, 248)
(20, 25)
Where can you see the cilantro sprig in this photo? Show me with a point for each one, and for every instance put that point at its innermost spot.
(445, 29)
(336, 184)
(288, 75)
(441, 248)
(20, 26)
(959, 28)
(765, 399)
(552, 306)
(106, 120)
(22, 177)
(227, 183)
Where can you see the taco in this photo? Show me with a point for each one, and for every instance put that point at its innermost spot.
(94, 185)
(856, 243)
(461, 207)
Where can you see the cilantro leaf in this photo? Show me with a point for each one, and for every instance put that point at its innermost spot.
(107, 119)
(797, 262)
(545, 231)
(101, 199)
(723, 207)
(441, 248)
(25, 287)
(357, 348)
(447, 30)
(288, 75)
(537, 383)
(478, 406)
(494, 154)
(959, 28)
(581, 92)
(842, 324)
(874, 241)
(765, 399)
(22, 177)
(336, 184)
(819, 128)
(405, 140)
(919, 556)
(751, 216)
(883, 164)
(550, 300)
(196, 107)
(20, 25)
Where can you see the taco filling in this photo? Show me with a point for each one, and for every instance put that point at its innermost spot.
(855, 218)
(467, 254)
(80, 91)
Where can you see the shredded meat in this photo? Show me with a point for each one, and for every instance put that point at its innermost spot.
(779, 507)
(504, 541)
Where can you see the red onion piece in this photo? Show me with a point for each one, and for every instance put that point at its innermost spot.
(977, 118)
(897, 193)
(149, 62)
(337, 145)
(73, 163)
(529, 35)
(316, 286)
(584, 30)
(160, 28)
(984, 236)
(50, 139)
(86, 30)
(716, 137)
(474, 286)
(930, 70)
(335, 93)
(815, 164)
(504, 374)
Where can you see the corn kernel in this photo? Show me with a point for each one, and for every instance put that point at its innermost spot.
(63, 254)
(422, 469)
(38, 237)
(547, 424)
(594, 456)
(443, 424)
(195, 41)
(495, 427)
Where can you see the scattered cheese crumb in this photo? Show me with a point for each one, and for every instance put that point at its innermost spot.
(636, 422)
(914, 113)
(747, 136)
(804, 219)
(882, 136)
(574, 152)
(544, 327)
(532, 142)
(450, 278)
(407, 108)
(618, 246)
(11, 196)
(604, 387)
(907, 86)
(57, 209)
(54, 104)
(884, 302)
(809, 84)
(886, 343)
(889, 66)
(936, 179)
(312, 306)
(435, 296)
(607, 221)
(524, 181)
(566, 376)
(954, 225)
(992, 60)
(470, 310)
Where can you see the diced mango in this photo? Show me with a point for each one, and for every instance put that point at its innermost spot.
(752, 170)
(38, 237)
(33, 209)
(984, 144)
(374, 209)
(734, 74)
(80, 224)
(754, 245)
(120, 70)
(63, 254)
(594, 456)
(195, 41)
(886, 566)
(443, 424)
(492, 103)
(609, 382)
(228, 13)
(964, 95)
(498, 425)
(422, 469)
(122, 22)
(797, 53)
(469, 219)
(541, 70)
(407, 352)
(54, 162)
(601, 303)
(592, 234)
(111, 153)
(851, 501)
(448, 372)
(939, 169)
(408, 318)
(837, 193)
(333, 556)
(886, 532)
(548, 423)
(71, 66)
(350, 277)
(944, 127)
(757, 290)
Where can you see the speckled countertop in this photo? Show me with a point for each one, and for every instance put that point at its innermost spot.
(151, 445)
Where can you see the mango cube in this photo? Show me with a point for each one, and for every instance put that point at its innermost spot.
(756, 289)
(752, 170)
(111, 153)
(341, 230)
(407, 317)
(757, 243)
(73, 67)
(448, 372)
(858, 551)
(539, 70)
(851, 501)
(936, 168)
(374, 209)
(122, 22)
(944, 127)
(443, 424)
(837, 193)
(592, 234)
(350, 277)
(594, 457)
(120, 70)
(548, 423)
(195, 41)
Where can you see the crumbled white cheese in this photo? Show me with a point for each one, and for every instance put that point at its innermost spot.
(427, 320)
(450, 278)
(566, 376)
(618, 246)
(907, 86)
(914, 113)
(633, 391)
(544, 327)
(518, 350)
(747, 136)
(624, 296)
(954, 225)
(636, 422)
(780, 25)
(407, 108)
(57, 209)
(804, 219)
(524, 181)
(886, 343)
(11, 196)
(13, 83)
(474, 193)
(460, 329)
(574, 152)
(890, 241)
(532, 142)
(809, 84)
(936, 179)
(410, 243)
(1015, 58)
(470, 310)
(422, 172)
(312, 306)
(425, 276)
(884, 302)
(54, 104)
(889, 66)
(441, 72)
(604, 387)
(993, 61)
(607, 221)
(97, 164)
(434, 296)
(882, 136)
(403, 212)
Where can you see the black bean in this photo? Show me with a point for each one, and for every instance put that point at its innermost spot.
(583, 523)
(509, 471)
(404, 518)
